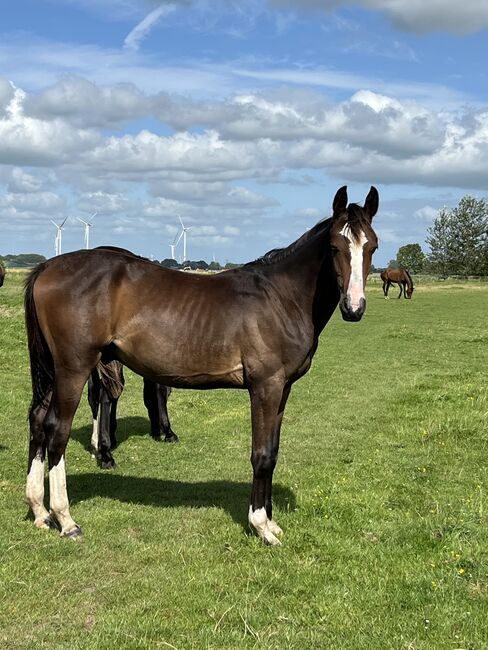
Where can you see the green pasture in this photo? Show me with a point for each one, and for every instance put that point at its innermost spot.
(380, 488)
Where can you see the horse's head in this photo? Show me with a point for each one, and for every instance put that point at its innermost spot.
(353, 242)
(409, 291)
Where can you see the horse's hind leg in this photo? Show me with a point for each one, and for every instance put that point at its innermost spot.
(401, 288)
(67, 391)
(267, 406)
(156, 402)
(34, 492)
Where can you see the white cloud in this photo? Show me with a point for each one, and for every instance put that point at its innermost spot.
(427, 213)
(418, 16)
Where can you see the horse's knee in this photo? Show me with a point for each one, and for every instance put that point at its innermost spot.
(263, 462)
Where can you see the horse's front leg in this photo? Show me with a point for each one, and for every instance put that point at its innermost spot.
(156, 402)
(267, 406)
(401, 288)
(107, 425)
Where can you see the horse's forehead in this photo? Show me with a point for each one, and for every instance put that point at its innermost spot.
(358, 240)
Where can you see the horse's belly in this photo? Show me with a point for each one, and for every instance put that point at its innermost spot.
(182, 363)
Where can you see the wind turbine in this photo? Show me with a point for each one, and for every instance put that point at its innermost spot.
(183, 232)
(57, 239)
(174, 245)
(88, 225)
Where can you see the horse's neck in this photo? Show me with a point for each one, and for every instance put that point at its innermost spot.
(307, 275)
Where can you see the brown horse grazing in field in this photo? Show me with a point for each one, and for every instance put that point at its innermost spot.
(105, 386)
(255, 327)
(400, 277)
(2, 275)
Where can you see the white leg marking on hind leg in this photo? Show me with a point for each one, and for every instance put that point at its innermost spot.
(34, 492)
(58, 495)
(94, 439)
(258, 520)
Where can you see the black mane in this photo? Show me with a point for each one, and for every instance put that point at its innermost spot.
(356, 220)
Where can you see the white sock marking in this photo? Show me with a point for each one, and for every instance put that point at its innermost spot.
(58, 495)
(258, 519)
(94, 438)
(34, 491)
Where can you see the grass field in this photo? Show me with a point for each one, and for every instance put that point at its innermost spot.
(380, 488)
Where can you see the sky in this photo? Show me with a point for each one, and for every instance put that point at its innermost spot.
(241, 117)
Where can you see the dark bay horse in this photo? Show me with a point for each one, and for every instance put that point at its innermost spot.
(2, 275)
(255, 327)
(105, 386)
(400, 277)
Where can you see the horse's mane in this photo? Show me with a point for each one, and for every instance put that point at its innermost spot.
(125, 251)
(278, 254)
(409, 276)
(355, 220)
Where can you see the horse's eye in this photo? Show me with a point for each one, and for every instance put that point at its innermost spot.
(334, 249)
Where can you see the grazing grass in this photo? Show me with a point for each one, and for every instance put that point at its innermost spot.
(380, 489)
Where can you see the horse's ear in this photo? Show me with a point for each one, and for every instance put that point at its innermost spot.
(340, 201)
(372, 202)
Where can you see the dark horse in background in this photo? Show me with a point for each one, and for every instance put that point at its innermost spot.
(400, 277)
(2, 275)
(105, 386)
(255, 327)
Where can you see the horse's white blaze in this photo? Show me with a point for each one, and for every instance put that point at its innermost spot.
(59, 496)
(258, 519)
(355, 290)
(34, 491)
(94, 437)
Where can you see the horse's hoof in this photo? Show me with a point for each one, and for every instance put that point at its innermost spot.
(75, 534)
(269, 539)
(171, 438)
(274, 528)
(108, 464)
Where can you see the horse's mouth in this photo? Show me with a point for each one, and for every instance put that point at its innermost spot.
(352, 315)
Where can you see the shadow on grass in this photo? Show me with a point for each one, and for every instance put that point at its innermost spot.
(126, 428)
(231, 496)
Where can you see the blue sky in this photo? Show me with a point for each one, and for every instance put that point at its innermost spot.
(241, 117)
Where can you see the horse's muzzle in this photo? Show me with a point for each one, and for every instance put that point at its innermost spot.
(352, 315)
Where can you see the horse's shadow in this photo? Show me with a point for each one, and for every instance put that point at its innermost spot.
(231, 496)
(126, 428)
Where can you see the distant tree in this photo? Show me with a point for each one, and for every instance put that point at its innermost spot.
(458, 239)
(411, 257)
(439, 239)
(170, 263)
(470, 235)
(393, 264)
(24, 260)
(231, 265)
(214, 266)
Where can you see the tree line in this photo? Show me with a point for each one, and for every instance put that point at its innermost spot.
(457, 239)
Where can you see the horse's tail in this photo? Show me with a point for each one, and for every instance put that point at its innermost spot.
(112, 378)
(41, 360)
